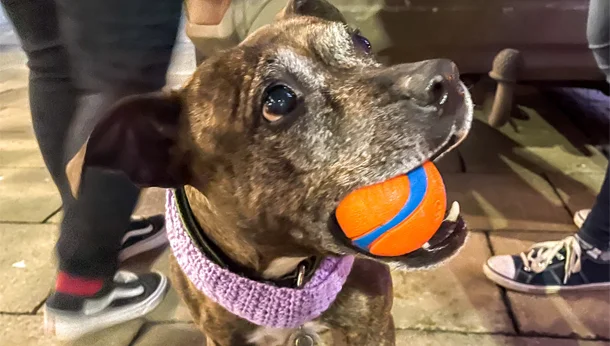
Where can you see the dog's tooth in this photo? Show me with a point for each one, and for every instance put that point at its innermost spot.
(454, 212)
(425, 246)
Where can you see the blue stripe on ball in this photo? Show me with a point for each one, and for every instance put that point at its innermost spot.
(418, 184)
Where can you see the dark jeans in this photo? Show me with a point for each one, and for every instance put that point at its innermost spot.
(598, 34)
(83, 56)
(596, 229)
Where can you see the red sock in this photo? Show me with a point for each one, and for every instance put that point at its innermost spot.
(77, 286)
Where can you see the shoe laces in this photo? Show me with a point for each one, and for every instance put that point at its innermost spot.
(541, 255)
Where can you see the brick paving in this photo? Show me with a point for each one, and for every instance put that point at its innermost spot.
(516, 185)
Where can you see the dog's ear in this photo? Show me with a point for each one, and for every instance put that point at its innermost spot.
(313, 8)
(138, 137)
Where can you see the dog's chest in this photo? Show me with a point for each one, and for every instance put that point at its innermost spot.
(265, 336)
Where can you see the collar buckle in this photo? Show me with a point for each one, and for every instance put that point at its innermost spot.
(301, 275)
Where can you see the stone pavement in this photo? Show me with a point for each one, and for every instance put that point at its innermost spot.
(517, 185)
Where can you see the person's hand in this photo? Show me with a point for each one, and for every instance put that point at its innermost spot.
(206, 12)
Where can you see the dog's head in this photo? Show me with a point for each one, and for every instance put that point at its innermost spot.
(276, 131)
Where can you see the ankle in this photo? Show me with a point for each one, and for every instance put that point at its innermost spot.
(77, 285)
(594, 252)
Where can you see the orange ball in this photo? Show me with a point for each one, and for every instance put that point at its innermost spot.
(397, 216)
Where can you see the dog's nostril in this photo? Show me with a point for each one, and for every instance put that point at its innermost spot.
(437, 90)
(426, 89)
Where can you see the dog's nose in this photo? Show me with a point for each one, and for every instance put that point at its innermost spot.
(429, 83)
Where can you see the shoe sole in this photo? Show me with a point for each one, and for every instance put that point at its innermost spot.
(154, 242)
(533, 289)
(66, 328)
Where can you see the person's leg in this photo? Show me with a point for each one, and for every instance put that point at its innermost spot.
(53, 101)
(51, 92)
(94, 227)
(598, 34)
(596, 229)
(117, 48)
(580, 262)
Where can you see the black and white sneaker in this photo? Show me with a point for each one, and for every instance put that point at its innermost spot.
(550, 267)
(126, 297)
(144, 235)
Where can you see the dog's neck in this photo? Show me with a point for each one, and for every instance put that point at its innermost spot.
(229, 237)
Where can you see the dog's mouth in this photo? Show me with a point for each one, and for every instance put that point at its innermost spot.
(452, 232)
(446, 231)
(452, 142)
(445, 242)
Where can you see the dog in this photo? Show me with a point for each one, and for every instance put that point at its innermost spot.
(261, 144)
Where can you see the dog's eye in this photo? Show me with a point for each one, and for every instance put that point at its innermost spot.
(279, 101)
(361, 42)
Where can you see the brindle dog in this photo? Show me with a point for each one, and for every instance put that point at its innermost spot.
(267, 137)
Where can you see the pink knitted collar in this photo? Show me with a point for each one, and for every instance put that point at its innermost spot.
(260, 303)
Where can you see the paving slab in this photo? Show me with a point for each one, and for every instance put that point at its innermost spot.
(56, 218)
(16, 122)
(28, 331)
(27, 266)
(17, 153)
(14, 97)
(152, 201)
(424, 338)
(119, 335)
(535, 144)
(183, 58)
(13, 77)
(28, 195)
(577, 190)
(508, 201)
(585, 314)
(24, 330)
(175, 334)
(183, 64)
(12, 58)
(454, 297)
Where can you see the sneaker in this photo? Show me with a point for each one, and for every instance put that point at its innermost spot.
(144, 235)
(126, 297)
(550, 267)
(580, 217)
